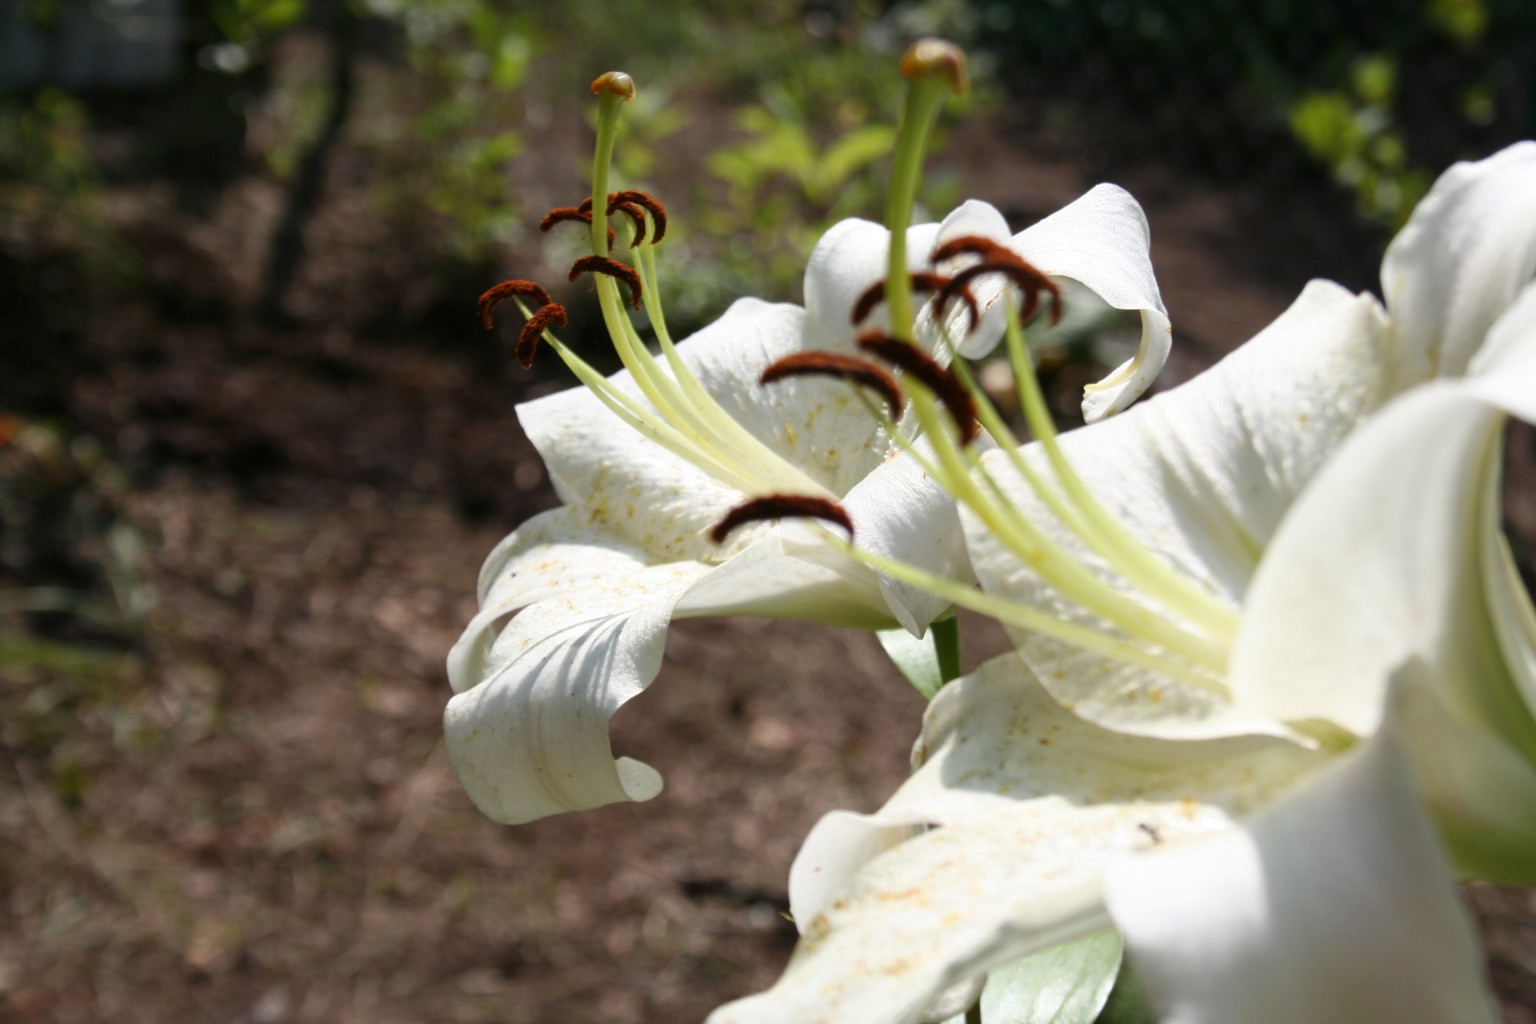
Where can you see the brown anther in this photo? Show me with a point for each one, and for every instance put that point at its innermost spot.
(970, 245)
(613, 268)
(615, 83)
(651, 204)
(494, 296)
(635, 214)
(551, 314)
(972, 308)
(561, 214)
(922, 281)
(944, 384)
(999, 259)
(936, 57)
(781, 506)
(834, 364)
(581, 214)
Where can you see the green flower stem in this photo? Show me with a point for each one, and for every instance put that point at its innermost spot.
(946, 644)
(712, 440)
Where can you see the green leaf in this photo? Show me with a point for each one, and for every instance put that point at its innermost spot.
(845, 157)
(916, 659)
(1126, 1004)
(1066, 984)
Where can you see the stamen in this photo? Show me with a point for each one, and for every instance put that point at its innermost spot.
(998, 259)
(833, 364)
(495, 295)
(613, 268)
(781, 506)
(636, 216)
(969, 245)
(922, 281)
(551, 314)
(944, 384)
(651, 204)
(564, 213)
(582, 214)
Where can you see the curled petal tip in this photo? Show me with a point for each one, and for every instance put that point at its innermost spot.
(616, 83)
(933, 56)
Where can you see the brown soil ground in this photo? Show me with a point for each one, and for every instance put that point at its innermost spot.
(246, 815)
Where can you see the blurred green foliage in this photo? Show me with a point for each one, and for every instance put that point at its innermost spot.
(63, 531)
(784, 186)
(1384, 93)
(73, 595)
(806, 94)
(50, 182)
(445, 138)
(1354, 132)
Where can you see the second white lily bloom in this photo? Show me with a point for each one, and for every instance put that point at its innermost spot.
(1266, 824)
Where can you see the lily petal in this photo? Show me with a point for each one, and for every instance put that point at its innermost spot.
(554, 553)
(532, 738)
(1468, 249)
(1334, 906)
(898, 512)
(1401, 511)
(528, 731)
(1203, 475)
(1100, 240)
(848, 259)
(1480, 790)
(659, 502)
(1407, 513)
(1032, 802)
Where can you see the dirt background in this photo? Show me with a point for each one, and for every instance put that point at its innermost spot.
(243, 812)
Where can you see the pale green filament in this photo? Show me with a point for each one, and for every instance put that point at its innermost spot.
(1053, 564)
(961, 473)
(726, 431)
(1036, 621)
(684, 417)
(1104, 533)
(643, 420)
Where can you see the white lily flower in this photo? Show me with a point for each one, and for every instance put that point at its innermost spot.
(1094, 242)
(647, 461)
(1257, 782)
